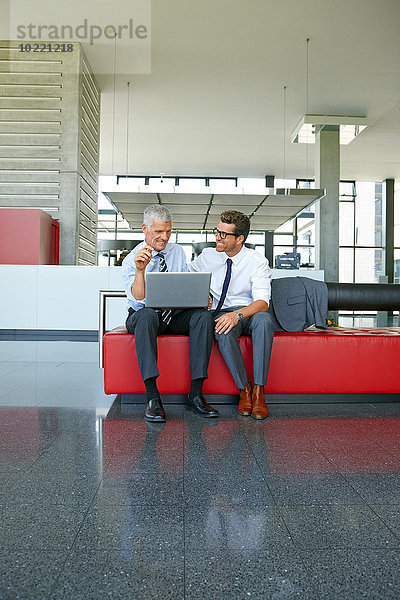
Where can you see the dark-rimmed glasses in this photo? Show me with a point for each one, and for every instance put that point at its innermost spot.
(222, 234)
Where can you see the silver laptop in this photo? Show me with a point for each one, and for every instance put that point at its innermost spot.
(177, 290)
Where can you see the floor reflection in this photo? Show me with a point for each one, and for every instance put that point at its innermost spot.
(297, 446)
(25, 431)
(133, 445)
(289, 507)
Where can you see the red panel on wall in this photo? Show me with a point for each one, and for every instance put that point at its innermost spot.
(28, 236)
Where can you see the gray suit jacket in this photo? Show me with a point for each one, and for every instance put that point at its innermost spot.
(299, 302)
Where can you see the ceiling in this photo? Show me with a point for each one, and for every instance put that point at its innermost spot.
(214, 102)
(202, 211)
(229, 81)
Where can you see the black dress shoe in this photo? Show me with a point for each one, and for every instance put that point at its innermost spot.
(154, 411)
(199, 405)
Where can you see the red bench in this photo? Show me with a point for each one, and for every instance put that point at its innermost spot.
(333, 361)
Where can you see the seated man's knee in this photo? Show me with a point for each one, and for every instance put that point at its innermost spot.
(203, 317)
(226, 339)
(262, 319)
(146, 317)
(148, 314)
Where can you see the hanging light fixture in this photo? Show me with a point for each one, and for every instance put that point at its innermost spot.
(284, 132)
(313, 194)
(304, 132)
(114, 102)
(127, 130)
(349, 127)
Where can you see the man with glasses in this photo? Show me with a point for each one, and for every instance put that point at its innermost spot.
(241, 291)
(157, 254)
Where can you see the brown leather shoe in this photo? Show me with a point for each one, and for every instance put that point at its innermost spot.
(259, 410)
(244, 407)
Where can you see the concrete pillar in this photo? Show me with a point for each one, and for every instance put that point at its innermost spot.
(382, 315)
(327, 176)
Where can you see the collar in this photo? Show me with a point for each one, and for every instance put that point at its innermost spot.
(238, 257)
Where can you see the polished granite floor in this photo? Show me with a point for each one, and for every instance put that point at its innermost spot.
(95, 503)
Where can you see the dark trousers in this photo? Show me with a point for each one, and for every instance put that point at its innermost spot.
(196, 323)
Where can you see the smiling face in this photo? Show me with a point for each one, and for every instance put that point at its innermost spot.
(231, 244)
(158, 234)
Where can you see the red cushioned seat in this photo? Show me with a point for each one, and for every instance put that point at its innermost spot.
(333, 361)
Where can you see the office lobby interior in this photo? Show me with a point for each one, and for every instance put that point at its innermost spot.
(288, 111)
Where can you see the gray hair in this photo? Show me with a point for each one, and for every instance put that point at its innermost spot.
(158, 212)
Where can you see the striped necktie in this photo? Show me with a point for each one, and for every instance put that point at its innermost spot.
(166, 315)
(225, 285)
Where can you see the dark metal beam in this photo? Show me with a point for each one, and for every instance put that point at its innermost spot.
(388, 198)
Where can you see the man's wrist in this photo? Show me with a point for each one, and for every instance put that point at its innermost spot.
(140, 269)
(239, 315)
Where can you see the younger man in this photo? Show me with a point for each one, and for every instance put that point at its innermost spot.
(241, 290)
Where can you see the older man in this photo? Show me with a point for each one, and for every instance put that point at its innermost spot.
(157, 254)
(241, 290)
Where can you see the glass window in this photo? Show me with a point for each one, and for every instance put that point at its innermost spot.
(283, 240)
(346, 224)
(188, 251)
(307, 256)
(368, 264)
(305, 184)
(346, 265)
(397, 234)
(305, 233)
(256, 238)
(347, 188)
(368, 215)
(305, 219)
(248, 185)
(286, 227)
(223, 186)
(186, 238)
(130, 235)
(285, 183)
(397, 266)
(397, 217)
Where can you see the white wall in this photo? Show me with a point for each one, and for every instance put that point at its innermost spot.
(67, 297)
(58, 297)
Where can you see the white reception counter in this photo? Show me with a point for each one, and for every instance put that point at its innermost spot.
(48, 297)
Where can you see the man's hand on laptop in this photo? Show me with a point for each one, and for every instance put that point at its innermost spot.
(143, 257)
(210, 301)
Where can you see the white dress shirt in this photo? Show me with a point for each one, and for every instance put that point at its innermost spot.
(174, 257)
(250, 280)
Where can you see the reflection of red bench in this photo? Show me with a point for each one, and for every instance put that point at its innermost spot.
(310, 446)
(20, 422)
(167, 449)
(125, 449)
(306, 446)
(335, 361)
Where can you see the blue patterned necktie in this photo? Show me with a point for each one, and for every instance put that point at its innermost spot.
(225, 284)
(166, 315)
